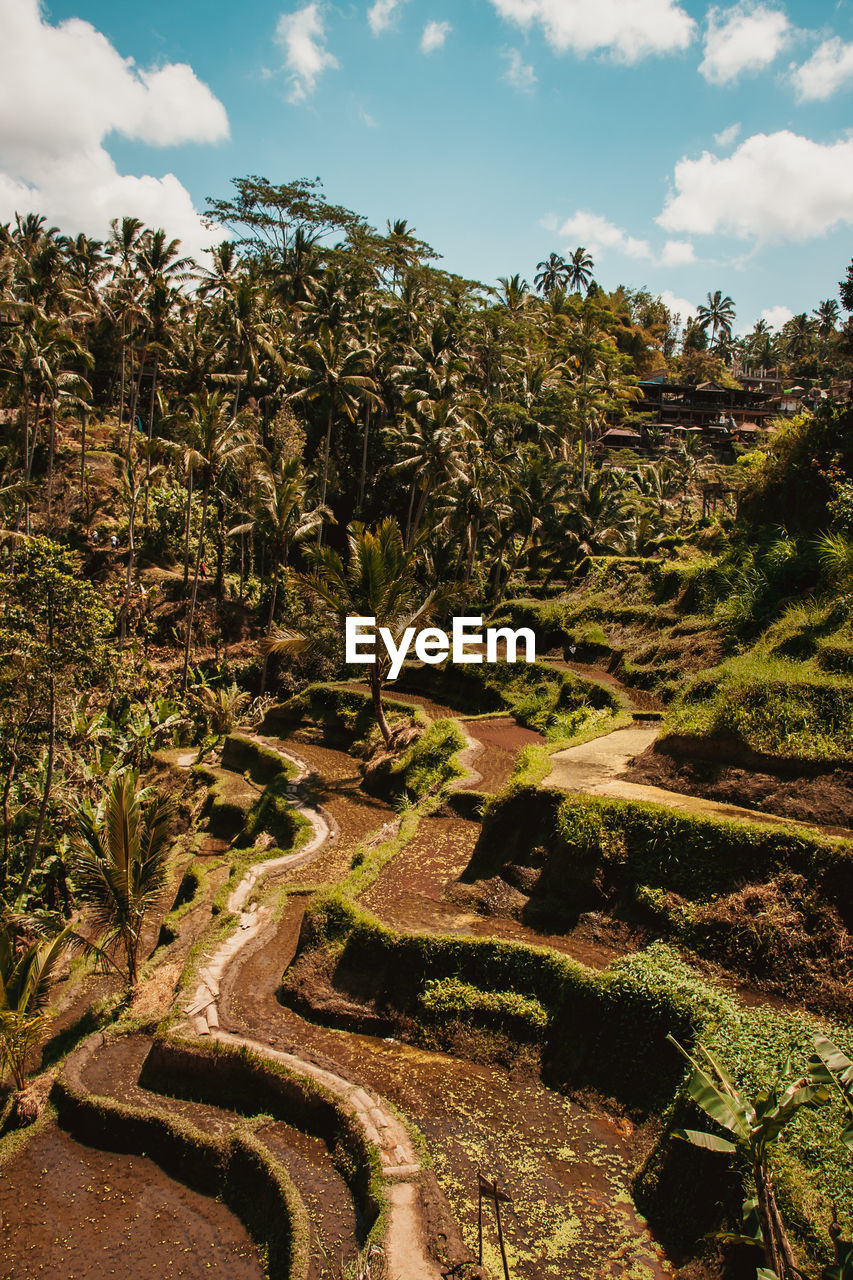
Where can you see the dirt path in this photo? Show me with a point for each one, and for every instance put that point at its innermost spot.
(498, 739)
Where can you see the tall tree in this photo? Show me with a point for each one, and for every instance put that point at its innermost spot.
(717, 315)
(553, 273)
(580, 270)
(380, 581)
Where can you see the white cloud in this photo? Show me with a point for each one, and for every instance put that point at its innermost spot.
(63, 90)
(519, 74)
(746, 37)
(628, 29)
(828, 69)
(777, 316)
(434, 36)
(678, 306)
(381, 14)
(726, 137)
(596, 233)
(677, 253)
(302, 36)
(774, 187)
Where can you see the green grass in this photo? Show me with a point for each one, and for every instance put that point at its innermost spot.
(770, 704)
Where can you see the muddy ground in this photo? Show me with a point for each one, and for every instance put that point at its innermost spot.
(567, 1169)
(336, 1229)
(74, 1212)
(825, 798)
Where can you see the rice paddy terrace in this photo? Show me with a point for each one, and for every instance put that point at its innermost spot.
(335, 1040)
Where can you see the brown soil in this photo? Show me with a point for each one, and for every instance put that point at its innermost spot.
(502, 740)
(337, 791)
(71, 1211)
(568, 1170)
(114, 1071)
(637, 699)
(822, 798)
(418, 891)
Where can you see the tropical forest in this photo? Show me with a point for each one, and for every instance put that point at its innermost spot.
(530, 957)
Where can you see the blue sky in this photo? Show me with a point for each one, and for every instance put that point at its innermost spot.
(688, 147)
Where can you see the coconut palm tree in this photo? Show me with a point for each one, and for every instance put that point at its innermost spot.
(580, 269)
(826, 314)
(25, 980)
(332, 368)
(516, 293)
(718, 315)
(380, 581)
(120, 864)
(281, 515)
(553, 273)
(217, 442)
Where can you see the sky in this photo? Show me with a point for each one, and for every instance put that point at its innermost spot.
(689, 147)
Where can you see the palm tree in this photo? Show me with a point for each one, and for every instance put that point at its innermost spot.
(120, 863)
(516, 293)
(431, 450)
(218, 441)
(580, 267)
(122, 246)
(333, 369)
(380, 581)
(553, 273)
(798, 334)
(25, 979)
(826, 314)
(718, 315)
(280, 502)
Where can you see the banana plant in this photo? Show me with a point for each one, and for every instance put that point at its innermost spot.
(754, 1126)
(829, 1066)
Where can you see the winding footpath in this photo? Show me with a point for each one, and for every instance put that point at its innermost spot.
(405, 1251)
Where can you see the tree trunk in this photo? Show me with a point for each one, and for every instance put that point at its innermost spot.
(51, 753)
(123, 359)
(7, 822)
(30, 465)
(187, 531)
(378, 709)
(363, 477)
(219, 586)
(325, 480)
(150, 437)
(270, 621)
(409, 515)
(83, 418)
(131, 549)
(137, 387)
(473, 533)
(419, 514)
(22, 504)
(191, 614)
(51, 454)
(777, 1249)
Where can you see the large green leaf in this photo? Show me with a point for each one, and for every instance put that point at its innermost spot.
(708, 1141)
